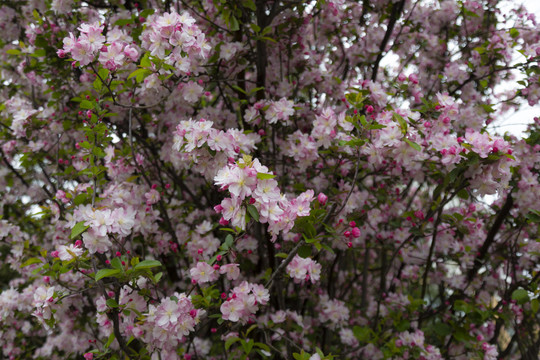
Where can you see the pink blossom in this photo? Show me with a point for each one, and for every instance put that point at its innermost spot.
(203, 273)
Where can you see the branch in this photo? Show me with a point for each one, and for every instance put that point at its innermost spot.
(505, 210)
(8, 164)
(396, 12)
(296, 248)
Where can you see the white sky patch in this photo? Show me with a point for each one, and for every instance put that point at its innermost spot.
(515, 122)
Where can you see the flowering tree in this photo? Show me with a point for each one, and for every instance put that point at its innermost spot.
(268, 179)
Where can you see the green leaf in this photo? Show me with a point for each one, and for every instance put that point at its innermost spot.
(514, 33)
(123, 22)
(239, 89)
(98, 85)
(147, 264)
(103, 73)
(252, 210)
(31, 261)
(147, 12)
(231, 341)
(463, 194)
(79, 199)
(116, 263)
(110, 340)
(250, 4)
(521, 296)
(304, 251)
(256, 28)
(462, 335)
(85, 104)
(247, 345)
(41, 42)
(535, 305)
(412, 144)
(229, 240)
(402, 325)
(480, 50)
(376, 126)
(78, 229)
(363, 334)
(233, 24)
(268, 39)
(533, 216)
(401, 121)
(140, 74)
(13, 52)
(111, 303)
(442, 329)
(103, 273)
(264, 176)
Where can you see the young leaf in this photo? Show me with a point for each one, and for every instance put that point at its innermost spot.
(412, 144)
(78, 229)
(231, 341)
(103, 273)
(264, 176)
(86, 104)
(253, 212)
(147, 264)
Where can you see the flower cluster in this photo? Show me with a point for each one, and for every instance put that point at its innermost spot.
(243, 301)
(43, 302)
(210, 148)
(304, 269)
(176, 39)
(102, 223)
(251, 181)
(170, 322)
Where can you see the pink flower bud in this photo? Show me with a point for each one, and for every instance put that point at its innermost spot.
(322, 198)
(78, 243)
(54, 254)
(88, 356)
(223, 222)
(355, 232)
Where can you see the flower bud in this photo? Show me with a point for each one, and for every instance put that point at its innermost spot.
(322, 198)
